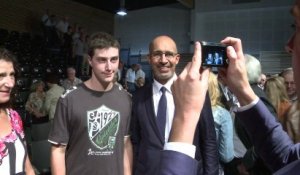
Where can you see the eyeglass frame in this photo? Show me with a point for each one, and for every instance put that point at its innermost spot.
(159, 54)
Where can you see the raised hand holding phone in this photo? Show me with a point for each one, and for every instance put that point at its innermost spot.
(189, 91)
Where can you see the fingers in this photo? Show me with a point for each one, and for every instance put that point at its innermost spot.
(192, 68)
(204, 79)
(196, 61)
(231, 54)
(185, 70)
(235, 43)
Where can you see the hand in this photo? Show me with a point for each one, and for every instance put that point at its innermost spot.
(189, 91)
(242, 169)
(235, 75)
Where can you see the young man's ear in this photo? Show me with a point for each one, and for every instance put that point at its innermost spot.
(89, 59)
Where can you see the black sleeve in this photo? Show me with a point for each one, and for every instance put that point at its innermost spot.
(208, 153)
(134, 132)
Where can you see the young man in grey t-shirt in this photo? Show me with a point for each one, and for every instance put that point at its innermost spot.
(90, 133)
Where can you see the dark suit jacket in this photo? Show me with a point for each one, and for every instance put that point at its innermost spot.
(253, 163)
(175, 163)
(148, 142)
(270, 141)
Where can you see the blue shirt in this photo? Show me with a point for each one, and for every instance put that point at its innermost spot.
(224, 133)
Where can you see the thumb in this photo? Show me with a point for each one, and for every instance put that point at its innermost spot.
(231, 54)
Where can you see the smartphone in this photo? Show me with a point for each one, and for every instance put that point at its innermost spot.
(213, 54)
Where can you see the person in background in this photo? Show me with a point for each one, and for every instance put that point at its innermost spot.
(85, 68)
(140, 82)
(13, 151)
(67, 47)
(288, 75)
(71, 79)
(223, 123)
(292, 122)
(78, 52)
(35, 102)
(62, 26)
(130, 79)
(52, 95)
(277, 94)
(262, 81)
(139, 76)
(121, 73)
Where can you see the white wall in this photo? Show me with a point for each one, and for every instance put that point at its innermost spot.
(264, 26)
(226, 5)
(139, 27)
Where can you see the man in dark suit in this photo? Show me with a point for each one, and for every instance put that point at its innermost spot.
(270, 141)
(251, 161)
(147, 136)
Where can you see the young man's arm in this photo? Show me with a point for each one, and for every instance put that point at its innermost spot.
(58, 159)
(28, 167)
(128, 156)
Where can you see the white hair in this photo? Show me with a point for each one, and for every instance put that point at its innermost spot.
(253, 67)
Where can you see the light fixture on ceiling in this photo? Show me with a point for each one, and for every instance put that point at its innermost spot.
(122, 11)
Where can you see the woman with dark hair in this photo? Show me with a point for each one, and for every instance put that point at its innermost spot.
(13, 152)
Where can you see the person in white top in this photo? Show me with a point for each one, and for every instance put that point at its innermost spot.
(130, 79)
(71, 79)
(139, 76)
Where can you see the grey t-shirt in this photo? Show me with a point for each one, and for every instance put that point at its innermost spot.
(92, 124)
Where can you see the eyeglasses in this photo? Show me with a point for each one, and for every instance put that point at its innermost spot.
(159, 54)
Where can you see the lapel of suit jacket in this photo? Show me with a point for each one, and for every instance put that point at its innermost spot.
(149, 105)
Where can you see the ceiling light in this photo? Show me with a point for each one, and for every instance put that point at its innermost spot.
(122, 11)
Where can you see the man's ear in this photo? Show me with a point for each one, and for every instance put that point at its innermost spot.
(177, 59)
(148, 58)
(89, 59)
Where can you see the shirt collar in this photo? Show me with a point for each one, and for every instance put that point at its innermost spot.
(157, 85)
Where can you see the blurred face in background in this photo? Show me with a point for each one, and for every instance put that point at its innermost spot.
(71, 74)
(40, 87)
(290, 84)
(263, 80)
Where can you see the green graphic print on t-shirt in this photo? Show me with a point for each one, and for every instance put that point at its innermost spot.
(103, 126)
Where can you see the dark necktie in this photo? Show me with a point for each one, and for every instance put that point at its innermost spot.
(162, 112)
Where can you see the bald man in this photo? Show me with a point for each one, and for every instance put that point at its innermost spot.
(149, 133)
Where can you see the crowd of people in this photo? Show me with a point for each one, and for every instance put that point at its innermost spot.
(236, 122)
(71, 40)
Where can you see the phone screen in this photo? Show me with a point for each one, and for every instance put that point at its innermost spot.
(213, 55)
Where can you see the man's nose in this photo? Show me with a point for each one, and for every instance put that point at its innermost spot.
(108, 66)
(163, 58)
